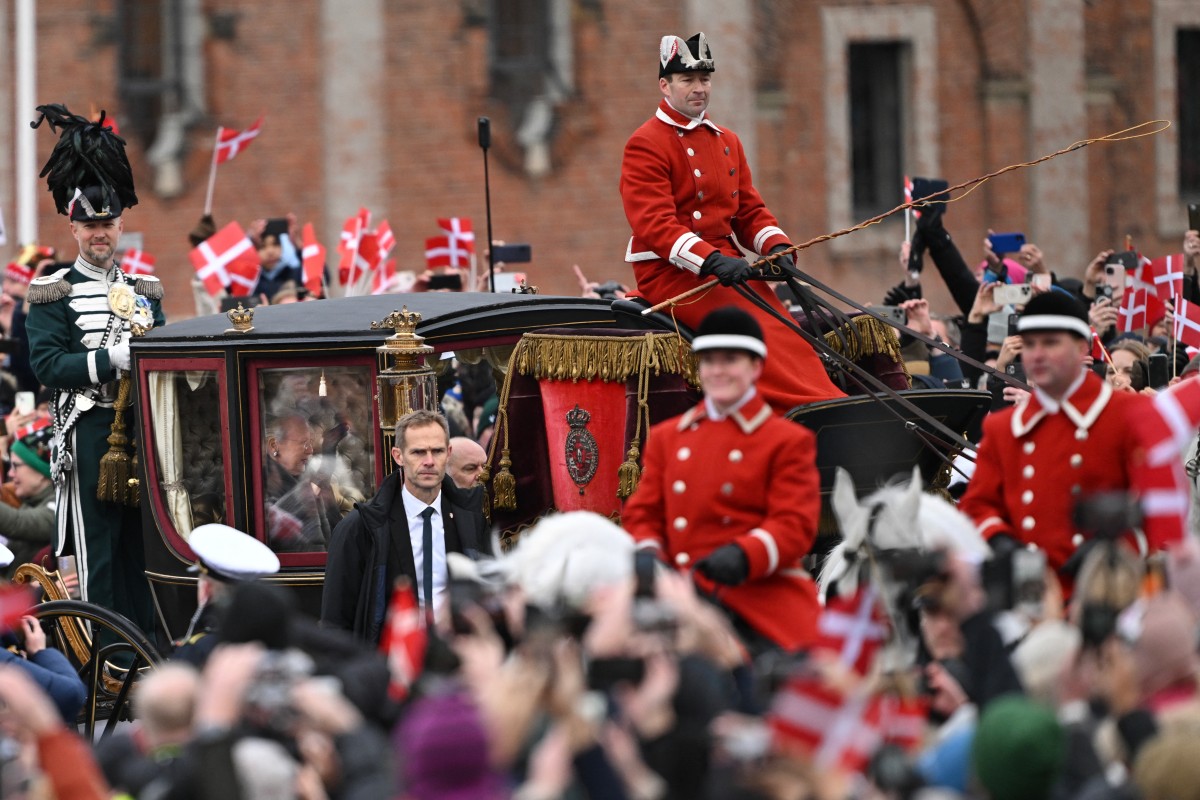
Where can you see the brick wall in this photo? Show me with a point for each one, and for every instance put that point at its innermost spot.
(436, 85)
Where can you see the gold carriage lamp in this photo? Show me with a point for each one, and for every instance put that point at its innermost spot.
(405, 382)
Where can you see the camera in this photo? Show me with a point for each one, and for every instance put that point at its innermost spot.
(1012, 294)
(269, 697)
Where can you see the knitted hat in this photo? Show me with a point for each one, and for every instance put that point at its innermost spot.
(730, 328)
(1055, 311)
(34, 449)
(443, 747)
(1019, 749)
(676, 55)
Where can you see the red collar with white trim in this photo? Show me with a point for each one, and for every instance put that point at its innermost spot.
(1082, 406)
(749, 418)
(667, 113)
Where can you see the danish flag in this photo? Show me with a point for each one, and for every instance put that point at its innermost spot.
(1139, 308)
(231, 141)
(385, 275)
(446, 251)
(854, 628)
(458, 230)
(226, 252)
(403, 640)
(359, 249)
(1187, 322)
(386, 241)
(1099, 354)
(137, 262)
(313, 257)
(1167, 271)
(16, 600)
(836, 730)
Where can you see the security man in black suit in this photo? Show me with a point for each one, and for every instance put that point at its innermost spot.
(417, 516)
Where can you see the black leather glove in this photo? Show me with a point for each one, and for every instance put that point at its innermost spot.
(1003, 545)
(727, 565)
(726, 269)
(787, 262)
(916, 252)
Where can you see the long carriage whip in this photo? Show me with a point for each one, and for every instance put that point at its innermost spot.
(970, 185)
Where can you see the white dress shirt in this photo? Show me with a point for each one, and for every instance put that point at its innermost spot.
(416, 526)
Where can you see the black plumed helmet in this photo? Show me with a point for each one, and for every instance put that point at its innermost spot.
(88, 172)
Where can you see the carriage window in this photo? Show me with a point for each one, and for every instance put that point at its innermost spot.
(318, 451)
(185, 410)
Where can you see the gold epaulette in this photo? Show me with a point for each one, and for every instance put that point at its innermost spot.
(148, 286)
(49, 288)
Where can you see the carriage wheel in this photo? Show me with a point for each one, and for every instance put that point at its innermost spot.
(72, 622)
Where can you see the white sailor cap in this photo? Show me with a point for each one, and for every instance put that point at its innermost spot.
(6, 556)
(227, 554)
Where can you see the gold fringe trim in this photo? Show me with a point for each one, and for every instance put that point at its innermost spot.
(609, 358)
(148, 286)
(867, 337)
(48, 289)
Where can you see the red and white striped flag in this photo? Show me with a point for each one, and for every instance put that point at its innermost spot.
(382, 281)
(403, 640)
(213, 257)
(459, 231)
(243, 276)
(313, 259)
(854, 628)
(1187, 322)
(903, 721)
(816, 720)
(231, 141)
(137, 262)
(385, 240)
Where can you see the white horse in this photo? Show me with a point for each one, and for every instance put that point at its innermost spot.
(896, 516)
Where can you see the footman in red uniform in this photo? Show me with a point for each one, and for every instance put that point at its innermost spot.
(1075, 436)
(730, 491)
(690, 201)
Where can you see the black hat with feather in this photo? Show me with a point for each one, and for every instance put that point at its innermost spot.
(88, 172)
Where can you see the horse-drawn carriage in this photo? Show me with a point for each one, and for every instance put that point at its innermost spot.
(274, 425)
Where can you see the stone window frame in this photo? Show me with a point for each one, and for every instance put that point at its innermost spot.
(916, 27)
(1170, 208)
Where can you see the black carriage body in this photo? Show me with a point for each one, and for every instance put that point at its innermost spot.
(197, 379)
(201, 418)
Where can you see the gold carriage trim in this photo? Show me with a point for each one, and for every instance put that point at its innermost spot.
(870, 337)
(609, 358)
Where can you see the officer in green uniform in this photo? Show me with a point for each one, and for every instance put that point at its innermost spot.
(79, 325)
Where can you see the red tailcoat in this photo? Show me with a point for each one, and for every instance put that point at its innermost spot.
(687, 193)
(750, 478)
(1035, 462)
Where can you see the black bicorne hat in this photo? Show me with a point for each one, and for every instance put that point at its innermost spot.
(88, 172)
(676, 55)
(1055, 311)
(730, 328)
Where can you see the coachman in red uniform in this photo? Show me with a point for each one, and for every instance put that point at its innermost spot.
(690, 201)
(1074, 437)
(731, 490)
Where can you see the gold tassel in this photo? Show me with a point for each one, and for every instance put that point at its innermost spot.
(484, 476)
(115, 465)
(132, 495)
(505, 485)
(629, 473)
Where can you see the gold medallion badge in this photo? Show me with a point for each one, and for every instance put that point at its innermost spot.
(122, 300)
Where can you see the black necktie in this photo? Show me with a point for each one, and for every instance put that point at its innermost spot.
(427, 558)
